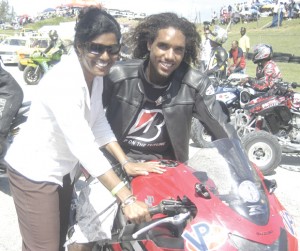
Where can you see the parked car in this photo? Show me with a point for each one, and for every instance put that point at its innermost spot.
(39, 44)
(9, 47)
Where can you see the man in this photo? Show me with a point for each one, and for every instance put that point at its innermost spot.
(205, 49)
(218, 58)
(55, 43)
(11, 97)
(267, 72)
(244, 42)
(236, 59)
(150, 103)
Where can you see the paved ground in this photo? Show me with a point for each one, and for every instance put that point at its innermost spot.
(10, 240)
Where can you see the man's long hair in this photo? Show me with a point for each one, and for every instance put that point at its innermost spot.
(147, 30)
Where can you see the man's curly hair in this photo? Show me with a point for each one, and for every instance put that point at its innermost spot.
(147, 31)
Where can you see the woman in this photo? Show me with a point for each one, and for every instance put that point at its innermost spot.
(67, 125)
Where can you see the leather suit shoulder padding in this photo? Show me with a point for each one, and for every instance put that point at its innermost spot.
(124, 70)
(195, 79)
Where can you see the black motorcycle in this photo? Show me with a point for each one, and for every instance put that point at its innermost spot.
(19, 119)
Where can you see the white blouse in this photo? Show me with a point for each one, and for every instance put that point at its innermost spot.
(65, 125)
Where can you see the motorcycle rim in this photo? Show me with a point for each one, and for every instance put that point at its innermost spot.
(32, 76)
(263, 150)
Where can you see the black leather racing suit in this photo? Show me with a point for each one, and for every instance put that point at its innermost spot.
(190, 94)
(218, 62)
(11, 98)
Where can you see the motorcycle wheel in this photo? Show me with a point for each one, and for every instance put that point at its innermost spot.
(199, 134)
(31, 76)
(263, 149)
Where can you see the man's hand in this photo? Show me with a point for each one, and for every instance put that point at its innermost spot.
(144, 168)
(136, 212)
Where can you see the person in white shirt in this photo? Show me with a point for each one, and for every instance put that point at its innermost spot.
(244, 42)
(205, 49)
(66, 126)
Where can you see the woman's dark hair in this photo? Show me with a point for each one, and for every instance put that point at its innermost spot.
(92, 22)
(147, 31)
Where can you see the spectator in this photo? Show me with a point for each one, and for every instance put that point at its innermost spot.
(236, 59)
(291, 7)
(277, 15)
(205, 49)
(244, 42)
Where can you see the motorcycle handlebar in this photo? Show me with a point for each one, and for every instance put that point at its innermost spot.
(168, 207)
(155, 210)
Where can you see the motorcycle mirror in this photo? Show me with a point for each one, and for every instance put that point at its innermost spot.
(202, 191)
(271, 185)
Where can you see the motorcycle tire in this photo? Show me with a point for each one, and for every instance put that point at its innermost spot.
(263, 149)
(31, 76)
(199, 135)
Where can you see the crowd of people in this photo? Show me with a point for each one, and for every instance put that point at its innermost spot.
(134, 111)
(216, 61)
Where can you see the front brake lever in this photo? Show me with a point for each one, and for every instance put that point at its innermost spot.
(175, 220)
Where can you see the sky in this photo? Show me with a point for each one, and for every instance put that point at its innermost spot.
(194, 10)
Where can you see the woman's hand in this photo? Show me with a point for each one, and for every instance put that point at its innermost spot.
(143, 168)
(137, 212)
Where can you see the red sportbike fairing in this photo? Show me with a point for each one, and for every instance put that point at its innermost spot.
(215, 201)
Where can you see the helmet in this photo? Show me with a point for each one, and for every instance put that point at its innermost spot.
(218, 35)
(53, 34)
(206, 27)
(261, 52)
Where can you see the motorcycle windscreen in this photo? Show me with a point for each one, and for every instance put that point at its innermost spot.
(235, 182)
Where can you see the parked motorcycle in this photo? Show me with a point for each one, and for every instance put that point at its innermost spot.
(18, 120)
(232, 96)
(39, 64)
(215, 201)
(270, 124)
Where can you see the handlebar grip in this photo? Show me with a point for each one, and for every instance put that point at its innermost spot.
(155, 210)
(295, 85)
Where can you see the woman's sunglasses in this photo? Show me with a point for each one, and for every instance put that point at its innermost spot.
(98, 49)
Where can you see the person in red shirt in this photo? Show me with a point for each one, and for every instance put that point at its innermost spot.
(236, 59)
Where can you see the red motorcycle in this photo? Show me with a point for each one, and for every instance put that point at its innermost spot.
(270, 125)
(215, 201)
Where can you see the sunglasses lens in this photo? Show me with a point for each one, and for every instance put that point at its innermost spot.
(100, 48)
(114, 49)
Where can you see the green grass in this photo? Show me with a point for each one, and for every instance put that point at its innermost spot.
(284, 39)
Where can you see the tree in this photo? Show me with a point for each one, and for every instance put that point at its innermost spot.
(7, 13)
